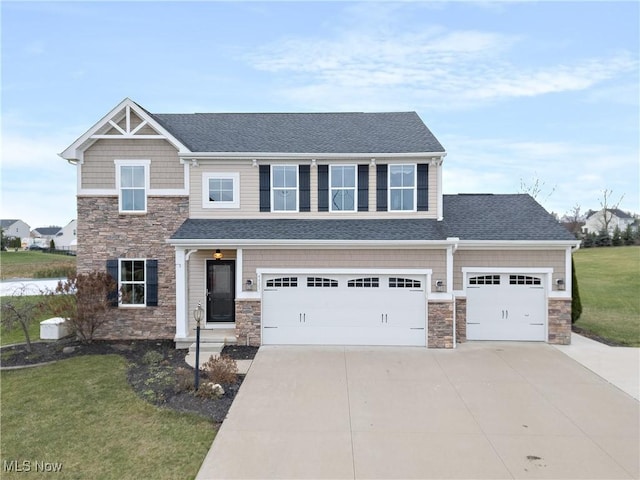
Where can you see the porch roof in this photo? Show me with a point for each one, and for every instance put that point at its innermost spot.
(311, 229)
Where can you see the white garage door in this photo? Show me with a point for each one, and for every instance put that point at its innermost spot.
(506, 307)
(322, 309)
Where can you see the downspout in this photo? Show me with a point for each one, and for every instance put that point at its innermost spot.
(451, 249)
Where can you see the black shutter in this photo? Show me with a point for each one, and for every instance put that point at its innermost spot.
(304, 179)
(381, 188)
(265, 188)
(323, 188)
(423, 187)
(152, 283)
(363, 188)
(112, 270)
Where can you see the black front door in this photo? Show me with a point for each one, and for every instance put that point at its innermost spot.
(221, 291)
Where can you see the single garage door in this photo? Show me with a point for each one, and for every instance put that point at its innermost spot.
(506, 307)
(321, 309)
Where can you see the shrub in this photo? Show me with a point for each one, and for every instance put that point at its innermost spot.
(152, 357)
(222, 369)
(67, 271)
(83, 300)
(576, 303)
(210, 390)
(185, 381)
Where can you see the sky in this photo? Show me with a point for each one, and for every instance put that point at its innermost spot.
(519, 94)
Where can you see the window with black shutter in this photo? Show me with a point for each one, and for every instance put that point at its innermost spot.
(265, 188)
(381, 188)
(423, 187)
(363, 188)
(323, 188)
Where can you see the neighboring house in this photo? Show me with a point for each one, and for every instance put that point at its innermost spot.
(66, 238)
(319, 228)
(43, 235)
(15, 229)
(598, 220)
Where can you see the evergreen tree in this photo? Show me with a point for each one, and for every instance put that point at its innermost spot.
(576, 304)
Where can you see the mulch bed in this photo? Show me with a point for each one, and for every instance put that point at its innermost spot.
(151, 375)
(592, 336)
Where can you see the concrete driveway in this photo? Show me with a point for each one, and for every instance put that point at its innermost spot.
(484, 410)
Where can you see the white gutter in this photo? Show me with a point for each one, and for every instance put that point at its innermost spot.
(228, 242)
(306, 155)
(502, 244)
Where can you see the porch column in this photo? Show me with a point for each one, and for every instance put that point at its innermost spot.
(182, 316)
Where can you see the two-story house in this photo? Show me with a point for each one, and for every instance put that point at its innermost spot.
(309, 228)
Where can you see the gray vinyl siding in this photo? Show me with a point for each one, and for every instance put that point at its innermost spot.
(98, 168)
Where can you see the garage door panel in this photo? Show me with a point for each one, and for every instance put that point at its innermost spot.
(345, 310)
(506, 307)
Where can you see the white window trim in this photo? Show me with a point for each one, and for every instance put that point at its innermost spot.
(355, 189)
(130, 305)
(415, 186)
(147, 184)
(235, 176)
(273, 189)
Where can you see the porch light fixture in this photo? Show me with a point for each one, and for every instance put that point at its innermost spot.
(198, 313)
(218, 254)
(439, 286)
(560, 284)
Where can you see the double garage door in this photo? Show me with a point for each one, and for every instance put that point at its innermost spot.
(343, 309)
(506, 307)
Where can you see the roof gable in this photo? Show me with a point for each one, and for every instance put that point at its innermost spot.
(332, 133)
(127, 120)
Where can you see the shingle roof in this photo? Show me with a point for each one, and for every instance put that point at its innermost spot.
(388, 132)
(469, 217)
(310, 229)
(7, 223)
(47, 231)
(500, 217)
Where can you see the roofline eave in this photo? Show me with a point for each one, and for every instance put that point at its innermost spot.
(292, 243)
(305, 155)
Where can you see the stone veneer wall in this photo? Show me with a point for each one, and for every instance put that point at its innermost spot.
(560, 321)
(461, 320)
(440, 321)
(103, 234)
(248, 318)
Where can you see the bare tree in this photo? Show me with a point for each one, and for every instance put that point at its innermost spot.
(573, 220)
(20, 310)
(536, 188)
(607, 209)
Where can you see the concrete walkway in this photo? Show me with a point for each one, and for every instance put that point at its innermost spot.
(617, 365)
(484, 410)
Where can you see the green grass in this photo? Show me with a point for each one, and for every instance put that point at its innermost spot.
(81, 412)
(609, 283)
(16, 335)
(34, 264)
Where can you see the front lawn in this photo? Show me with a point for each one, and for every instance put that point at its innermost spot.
(83, 414)
(609, 282)
(34, 264)
(16, 335)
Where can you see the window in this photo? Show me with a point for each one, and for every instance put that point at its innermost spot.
(221, 190)
(284, 188)
(485, 280)
(403, 283)
(402, 187)
(132, 282)
(370, 282)
(523, 280)
(321, 282)
(132, 178)
(283, 282)
(343, 188)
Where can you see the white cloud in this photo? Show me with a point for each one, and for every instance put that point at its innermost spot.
(434, 67)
